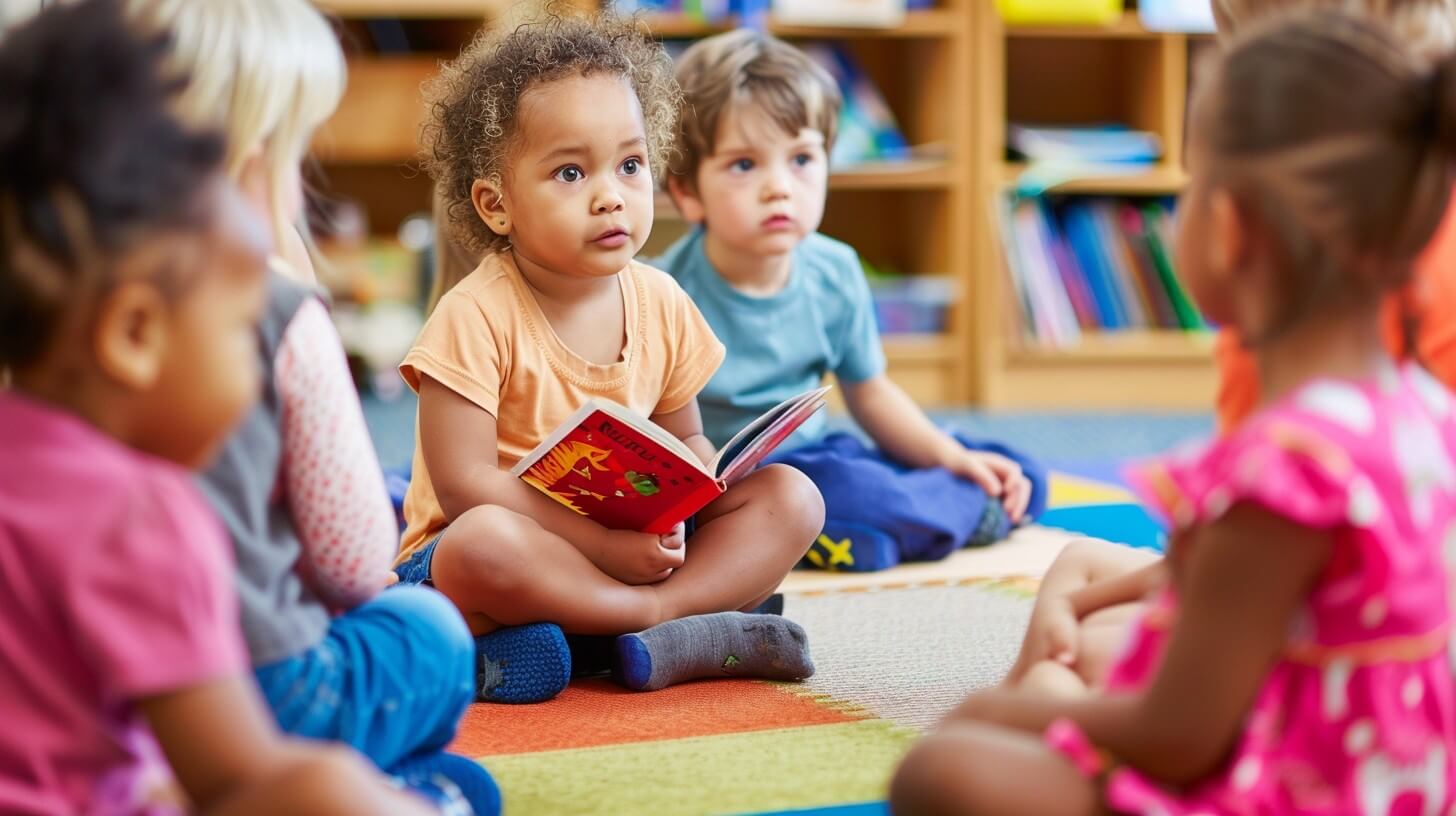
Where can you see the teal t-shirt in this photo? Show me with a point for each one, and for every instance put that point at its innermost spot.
(778, 346)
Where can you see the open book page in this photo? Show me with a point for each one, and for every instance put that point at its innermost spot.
(748, 448)
(625, 416)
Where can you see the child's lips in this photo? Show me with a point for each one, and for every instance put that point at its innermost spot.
(612, 238)
(778, 222)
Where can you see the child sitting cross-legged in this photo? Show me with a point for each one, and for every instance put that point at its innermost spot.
(1296, 660)
(543, 143)
(751, 171)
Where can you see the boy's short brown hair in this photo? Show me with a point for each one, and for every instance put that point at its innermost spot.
(741, 67)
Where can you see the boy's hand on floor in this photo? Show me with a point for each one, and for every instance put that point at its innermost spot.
(999, 476)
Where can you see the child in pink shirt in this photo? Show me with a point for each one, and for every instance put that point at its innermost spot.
(133, 279)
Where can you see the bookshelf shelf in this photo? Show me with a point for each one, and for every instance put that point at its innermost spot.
(1160, 180)
(1126, 27)
(932, 23)
(1163, 346)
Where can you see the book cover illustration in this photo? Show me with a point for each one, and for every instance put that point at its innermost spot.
(626, 473)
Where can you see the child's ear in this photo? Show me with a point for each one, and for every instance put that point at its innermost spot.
(490, 204)
(686, 199)
(1230, 233)
(130, 334)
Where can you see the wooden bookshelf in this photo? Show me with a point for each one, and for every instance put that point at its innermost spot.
(1077, 75)
(927, 24)
(1161, 179)
(954, 76)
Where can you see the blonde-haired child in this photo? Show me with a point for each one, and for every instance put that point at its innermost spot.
(133, 278)
(298, 485)
(543, 143)
(1297, 660)
(266, 73)
(1091, 592)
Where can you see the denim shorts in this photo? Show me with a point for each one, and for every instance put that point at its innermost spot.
(416, 570)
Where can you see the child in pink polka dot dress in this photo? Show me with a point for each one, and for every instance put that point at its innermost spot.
(1297, 660)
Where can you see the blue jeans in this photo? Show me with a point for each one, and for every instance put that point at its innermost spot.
(392, 678)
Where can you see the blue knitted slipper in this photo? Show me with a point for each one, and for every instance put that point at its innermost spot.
(522, 664)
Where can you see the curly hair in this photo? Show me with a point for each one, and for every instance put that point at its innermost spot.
(475, 100)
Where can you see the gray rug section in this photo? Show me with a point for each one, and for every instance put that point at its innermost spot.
(910, 655)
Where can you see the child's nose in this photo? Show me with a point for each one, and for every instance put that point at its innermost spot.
(776, 186)
(608, 200)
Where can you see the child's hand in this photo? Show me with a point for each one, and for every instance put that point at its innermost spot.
(1053, 632)
(676, 539)
(1052, 635)
(998, 476)
(642, 558)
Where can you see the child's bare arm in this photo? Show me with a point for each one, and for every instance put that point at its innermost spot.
(458, 441)
(1128, 587)
(902, 430)
(1246, 577)
(686, 423)
(228, 757)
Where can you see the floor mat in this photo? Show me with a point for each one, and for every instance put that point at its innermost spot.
(894, 651)
(889, 664)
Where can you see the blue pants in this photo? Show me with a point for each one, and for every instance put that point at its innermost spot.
(878, 513)
(392, 678)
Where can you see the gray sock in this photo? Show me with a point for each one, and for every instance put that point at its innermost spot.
(726, 644)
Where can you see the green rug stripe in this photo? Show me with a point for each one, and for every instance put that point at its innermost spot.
(782, 769)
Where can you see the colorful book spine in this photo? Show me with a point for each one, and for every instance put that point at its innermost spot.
(1081, 265)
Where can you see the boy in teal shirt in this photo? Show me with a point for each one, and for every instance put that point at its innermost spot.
(751, 172)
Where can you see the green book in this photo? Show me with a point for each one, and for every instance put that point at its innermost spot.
(1188, 316)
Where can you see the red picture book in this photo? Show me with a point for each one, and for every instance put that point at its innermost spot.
(624, 472)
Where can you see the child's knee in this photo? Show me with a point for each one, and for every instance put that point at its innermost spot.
(487, 550)
(918, 786)
(434, 622)
(794, 497)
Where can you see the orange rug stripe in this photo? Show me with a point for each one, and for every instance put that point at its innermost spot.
(594, 712)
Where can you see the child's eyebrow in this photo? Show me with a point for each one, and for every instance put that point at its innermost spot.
(582, 150)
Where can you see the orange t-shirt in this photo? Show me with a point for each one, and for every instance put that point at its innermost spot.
(489, 342)
(1429, 298)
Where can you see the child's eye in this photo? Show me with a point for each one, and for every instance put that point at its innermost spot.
(631, 167)
(741, 166)
(803, 159)
(570, 174)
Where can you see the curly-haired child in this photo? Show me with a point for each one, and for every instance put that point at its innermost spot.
(543, 143)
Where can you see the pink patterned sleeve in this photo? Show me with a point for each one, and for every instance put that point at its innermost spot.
(335, 489)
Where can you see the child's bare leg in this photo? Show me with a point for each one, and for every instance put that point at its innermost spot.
(1083, 562)
(1103, 635)
(746, 542)
(1056, 679)
(975, 768)
(503, 569)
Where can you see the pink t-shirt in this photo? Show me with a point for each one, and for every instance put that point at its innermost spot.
(117, 585)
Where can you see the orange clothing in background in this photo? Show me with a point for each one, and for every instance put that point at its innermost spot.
(1430, 299)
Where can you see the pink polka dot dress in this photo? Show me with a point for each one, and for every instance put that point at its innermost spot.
(1358, 716)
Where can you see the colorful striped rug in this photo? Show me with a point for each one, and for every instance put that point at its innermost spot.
(894, 652)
